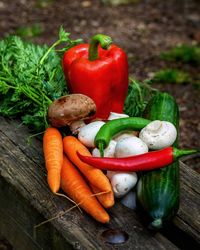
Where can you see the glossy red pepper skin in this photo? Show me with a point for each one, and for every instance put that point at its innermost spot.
(143, 162)
(105, 79)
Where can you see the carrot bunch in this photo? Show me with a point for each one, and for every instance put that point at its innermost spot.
(87, 186)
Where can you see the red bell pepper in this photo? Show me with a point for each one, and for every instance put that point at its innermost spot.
(100, 71)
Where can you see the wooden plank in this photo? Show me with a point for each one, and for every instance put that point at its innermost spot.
(22, 167)
(185, 230)
(188, 218)
(17, 218)
(14, 231)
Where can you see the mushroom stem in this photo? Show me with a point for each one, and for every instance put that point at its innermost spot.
(76, 125)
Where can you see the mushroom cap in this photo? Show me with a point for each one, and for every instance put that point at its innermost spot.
(88, 132)
(129, 146)
(109, 151)
(70, 108)
(123, 182)
(158, 134)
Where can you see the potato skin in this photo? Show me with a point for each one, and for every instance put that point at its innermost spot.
(70, 108)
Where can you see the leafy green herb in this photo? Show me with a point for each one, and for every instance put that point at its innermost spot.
(171, 76)
(184, 54)
(31, 77)
(138, 96)
(30, 31)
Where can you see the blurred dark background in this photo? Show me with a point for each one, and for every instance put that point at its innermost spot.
(144, 28)
(161, 38)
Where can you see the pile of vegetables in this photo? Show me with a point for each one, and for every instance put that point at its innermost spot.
(120, 127)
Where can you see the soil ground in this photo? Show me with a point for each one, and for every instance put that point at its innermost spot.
(143, 30)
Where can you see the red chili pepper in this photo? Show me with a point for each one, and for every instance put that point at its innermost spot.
(148, 161)
(100, 72)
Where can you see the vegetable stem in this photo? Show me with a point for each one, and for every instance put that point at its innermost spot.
(103, 40)
(49, 50)
(182, 152)
(4, 78)
(24, 91)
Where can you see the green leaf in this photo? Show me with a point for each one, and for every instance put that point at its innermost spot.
(183, 53)
(173, 76)
(4, 88)
(30, 31)
(63, 36)
(138, 96)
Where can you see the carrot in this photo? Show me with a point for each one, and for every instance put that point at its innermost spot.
(77, 189)
(53, 155)
(95, 176)
(106, 200)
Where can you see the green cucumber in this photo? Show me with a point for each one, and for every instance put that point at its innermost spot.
(158, 190)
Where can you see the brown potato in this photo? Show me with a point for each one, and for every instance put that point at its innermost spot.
(70, 108)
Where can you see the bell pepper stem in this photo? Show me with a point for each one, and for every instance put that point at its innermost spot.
(103, 40)
(177, 153)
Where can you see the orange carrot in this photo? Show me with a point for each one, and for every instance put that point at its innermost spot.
(107, 200)
(76, 188)
(53, 155)
(95, 176)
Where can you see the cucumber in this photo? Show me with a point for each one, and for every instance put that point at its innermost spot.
(158, 190)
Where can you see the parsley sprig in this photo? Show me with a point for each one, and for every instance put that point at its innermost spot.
(31, 77)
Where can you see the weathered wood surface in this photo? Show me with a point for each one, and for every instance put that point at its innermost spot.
(26, 201)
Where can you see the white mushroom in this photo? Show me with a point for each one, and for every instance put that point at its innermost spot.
(109, 151)
(122, 182)
(129, 200)
(125, 135)
(130, 146)
(158, 134)
(76, 126)
(88, 132)
(114, 116)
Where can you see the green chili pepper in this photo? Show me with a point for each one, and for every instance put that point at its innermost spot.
(111, 128)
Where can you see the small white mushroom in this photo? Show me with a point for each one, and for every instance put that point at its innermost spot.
(125, 135)
(114, 116)
(109, 151)
(87, 133)
(158, 134)
(75, 126)
(129, 200)
(122, 182)
(130, 146)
